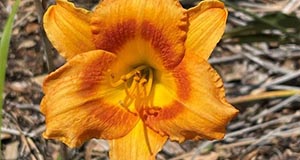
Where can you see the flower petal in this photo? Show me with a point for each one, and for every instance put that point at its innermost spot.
(76, 102)
(198, 109)
(68, 29)
(207, 25)
(140, 144)
(147, 30)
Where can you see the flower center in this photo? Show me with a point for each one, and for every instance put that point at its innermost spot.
(137, 85)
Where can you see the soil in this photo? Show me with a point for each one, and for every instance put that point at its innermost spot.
(258, 76)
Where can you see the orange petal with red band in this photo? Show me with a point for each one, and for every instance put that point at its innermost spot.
(141, 143)
(131, 28)
(198, 110)
(76, 103)
(68, 28)
(207, 25)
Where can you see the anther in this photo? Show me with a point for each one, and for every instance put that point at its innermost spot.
(138, 74)
(124, 78)
(143, 81)
(137, 79)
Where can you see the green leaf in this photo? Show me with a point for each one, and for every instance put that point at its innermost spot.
(255, 38)
(4, 47)
(288, 25)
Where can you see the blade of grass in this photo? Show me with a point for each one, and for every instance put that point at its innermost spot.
(4, 47)
(263, 95)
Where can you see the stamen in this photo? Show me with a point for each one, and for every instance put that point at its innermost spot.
(136, 71)
(126, 104)
(111, 77)
(129, 96)
(137, 86)
(128, 100)
(148, 86)
(116, 84)
(142, 85)
(124, 78)
(130, 89)
(143, 81)
(136, 78)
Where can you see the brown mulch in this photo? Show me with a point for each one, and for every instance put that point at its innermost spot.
(268, 127)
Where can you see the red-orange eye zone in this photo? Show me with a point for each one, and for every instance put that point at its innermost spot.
(118, 32)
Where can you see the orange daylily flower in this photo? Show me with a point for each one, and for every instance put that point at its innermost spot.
(136, 74)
